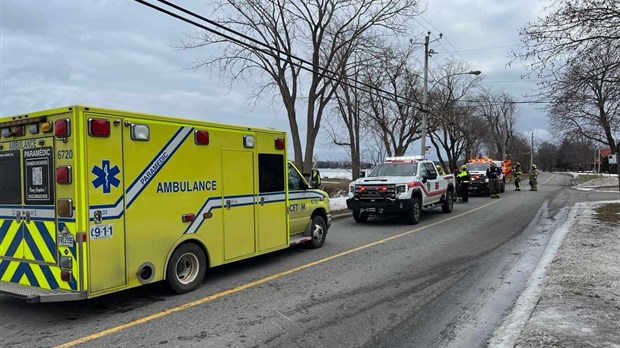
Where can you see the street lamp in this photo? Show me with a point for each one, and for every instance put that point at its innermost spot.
(425, 92)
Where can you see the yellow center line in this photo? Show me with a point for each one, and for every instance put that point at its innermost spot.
(252, 284)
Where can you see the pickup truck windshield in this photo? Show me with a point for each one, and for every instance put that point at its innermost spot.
(395, 169)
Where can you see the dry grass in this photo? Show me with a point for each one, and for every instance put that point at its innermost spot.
(609, 213)
(335, 187)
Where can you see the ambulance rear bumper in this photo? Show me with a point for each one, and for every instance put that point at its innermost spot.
(37, 295)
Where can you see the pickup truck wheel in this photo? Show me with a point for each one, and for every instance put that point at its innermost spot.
(448, 202)
(360, 216)
(415, 213)
(319, 232)
(186, 268)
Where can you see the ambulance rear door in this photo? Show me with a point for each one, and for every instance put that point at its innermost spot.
(106, 199)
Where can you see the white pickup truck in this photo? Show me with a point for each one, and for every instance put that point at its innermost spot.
(401, 186)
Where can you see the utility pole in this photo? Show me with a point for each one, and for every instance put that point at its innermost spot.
(532, 152)
(425, 97)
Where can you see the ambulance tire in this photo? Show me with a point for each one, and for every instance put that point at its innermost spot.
(319, 232)
(186, 268)
(414, 215)
(360, 216)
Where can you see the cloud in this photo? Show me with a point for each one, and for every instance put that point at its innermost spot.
(119, 54)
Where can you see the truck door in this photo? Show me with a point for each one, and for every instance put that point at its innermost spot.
(106, 235)
(238, 203)
(432, 185)
(27, 215)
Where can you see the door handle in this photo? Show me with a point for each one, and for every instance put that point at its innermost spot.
(27, 216)
(261, 201)
(97, 217)
(227, 205)
(18, 216)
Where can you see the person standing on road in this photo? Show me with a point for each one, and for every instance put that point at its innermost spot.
(463, 179)
(517, 174)
(456, 172)
(534, 178)
(493, 173)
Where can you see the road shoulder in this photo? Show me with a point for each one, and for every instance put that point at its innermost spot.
(574, 299)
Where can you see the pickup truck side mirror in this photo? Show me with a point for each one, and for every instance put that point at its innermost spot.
(315, 178)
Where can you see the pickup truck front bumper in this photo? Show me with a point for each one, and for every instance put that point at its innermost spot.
(379, 207)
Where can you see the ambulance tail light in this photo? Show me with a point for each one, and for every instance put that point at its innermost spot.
(98, 127)
(62, 128)
(201, 137)
(63, 175)
(279, 143)
(188, 217)
(65, 275)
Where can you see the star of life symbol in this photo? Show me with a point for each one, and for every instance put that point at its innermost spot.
(106, 176)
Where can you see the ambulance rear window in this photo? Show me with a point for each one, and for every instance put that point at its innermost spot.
(271, 173)
(10, 179)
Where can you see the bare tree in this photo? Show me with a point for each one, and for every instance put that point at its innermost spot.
(322, 32)
(498, 110)
(571, 27)
(396, 121)
(547, 156)
(588, 103)
(448, 125)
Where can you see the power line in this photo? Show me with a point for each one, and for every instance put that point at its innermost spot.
(269, 49)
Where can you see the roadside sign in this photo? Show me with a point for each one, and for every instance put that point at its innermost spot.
(613, 159)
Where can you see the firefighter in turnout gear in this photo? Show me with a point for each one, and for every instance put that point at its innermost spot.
(534, 178)
(517, 174)
(463, 179)
(494, 173)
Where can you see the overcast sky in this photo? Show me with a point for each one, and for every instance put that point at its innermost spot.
(118, 54)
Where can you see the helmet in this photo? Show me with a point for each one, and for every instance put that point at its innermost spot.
(534, 166)
(464, 167)
(518, 164)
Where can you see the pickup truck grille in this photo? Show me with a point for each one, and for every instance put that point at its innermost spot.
(375, 191)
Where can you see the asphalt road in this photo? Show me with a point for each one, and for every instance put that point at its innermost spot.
(448, 281)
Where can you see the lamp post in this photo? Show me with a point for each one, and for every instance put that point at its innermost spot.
(425, 92)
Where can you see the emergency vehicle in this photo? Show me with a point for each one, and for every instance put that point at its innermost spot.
(401, 186)
(93, 201)
(477, 168)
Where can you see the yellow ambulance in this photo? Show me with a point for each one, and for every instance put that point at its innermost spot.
(94, 201)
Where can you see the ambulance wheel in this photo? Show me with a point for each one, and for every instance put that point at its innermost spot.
(360, 216)
(448, 202)
(186, 268)
(319, 232)
(415, 213)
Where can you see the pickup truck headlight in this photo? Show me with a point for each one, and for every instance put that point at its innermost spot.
(401, 189)
(486, 180)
